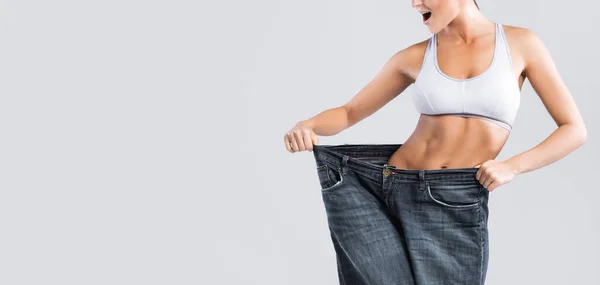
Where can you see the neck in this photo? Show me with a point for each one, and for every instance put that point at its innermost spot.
(468, 25)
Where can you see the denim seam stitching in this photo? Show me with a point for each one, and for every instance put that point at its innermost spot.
(337, 183)
(390, 192)
(340, 270)
(326, 168)
(480, 236)
(453, 206)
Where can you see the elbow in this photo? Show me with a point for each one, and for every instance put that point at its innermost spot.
(577, 132)
(582, 134)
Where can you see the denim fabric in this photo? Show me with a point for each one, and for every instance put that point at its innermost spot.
(402, 226)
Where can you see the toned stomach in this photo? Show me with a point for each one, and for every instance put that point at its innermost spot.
(449, 141)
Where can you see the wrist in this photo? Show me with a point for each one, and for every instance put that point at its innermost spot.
(515, 165)
(308, 123)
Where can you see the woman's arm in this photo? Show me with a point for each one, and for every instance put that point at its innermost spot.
(549, 86)
(391, 80)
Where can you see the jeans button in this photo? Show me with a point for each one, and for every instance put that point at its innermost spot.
(386, 171)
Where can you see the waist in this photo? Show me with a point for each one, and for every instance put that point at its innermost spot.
(371, 160)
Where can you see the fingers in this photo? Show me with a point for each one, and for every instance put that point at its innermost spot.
(306, 135)
(300, 137)
(293, 143)
(485, 179)
(486, 182)
(287, 142)
(290, 142)
(299, 140)
(493, 185)
(481, 174)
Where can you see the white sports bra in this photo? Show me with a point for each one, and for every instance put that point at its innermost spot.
(493, 95)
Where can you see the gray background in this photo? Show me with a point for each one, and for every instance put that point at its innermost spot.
(142, 141)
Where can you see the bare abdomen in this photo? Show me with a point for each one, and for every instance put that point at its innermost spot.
(442, 141)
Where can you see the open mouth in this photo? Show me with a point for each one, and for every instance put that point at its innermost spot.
(426, 16)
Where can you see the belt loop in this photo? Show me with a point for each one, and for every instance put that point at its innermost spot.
(422, 178)
(344, 163)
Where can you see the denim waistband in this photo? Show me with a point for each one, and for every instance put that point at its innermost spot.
(354, 156)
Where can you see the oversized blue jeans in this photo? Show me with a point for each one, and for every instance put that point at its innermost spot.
(392, 226)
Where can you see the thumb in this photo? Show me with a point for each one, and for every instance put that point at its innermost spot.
(314, 138)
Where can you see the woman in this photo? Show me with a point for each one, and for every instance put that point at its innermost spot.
(416, 213)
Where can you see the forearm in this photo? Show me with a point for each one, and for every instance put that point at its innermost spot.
(561, 142)
(329, 122)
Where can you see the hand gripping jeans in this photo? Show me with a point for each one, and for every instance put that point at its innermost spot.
(392, 226)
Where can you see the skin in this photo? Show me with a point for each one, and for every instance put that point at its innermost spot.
(465, 49)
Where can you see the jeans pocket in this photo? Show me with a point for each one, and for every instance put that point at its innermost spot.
(330, 178)
(454, 195)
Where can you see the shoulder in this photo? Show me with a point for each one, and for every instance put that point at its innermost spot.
(520, 35)
(409, 59)
(525, 40)
(412, 52)
(527, 46)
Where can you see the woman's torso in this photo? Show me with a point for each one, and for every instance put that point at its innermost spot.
(450, 141)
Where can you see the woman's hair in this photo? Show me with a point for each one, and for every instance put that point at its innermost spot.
(476, 4)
